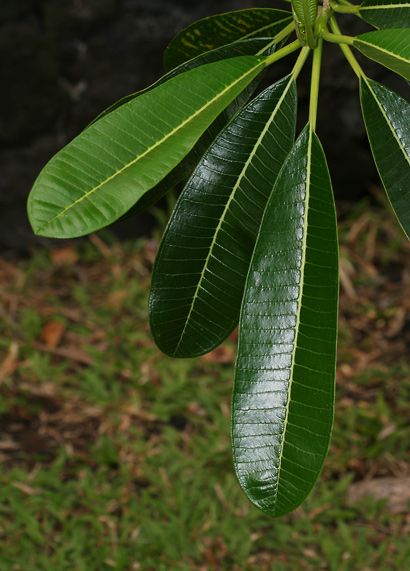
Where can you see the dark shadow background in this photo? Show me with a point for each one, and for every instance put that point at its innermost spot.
(63, 61)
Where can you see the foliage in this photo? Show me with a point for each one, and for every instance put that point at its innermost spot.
(253, 236)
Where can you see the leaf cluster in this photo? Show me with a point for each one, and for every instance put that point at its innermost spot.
(253, 237)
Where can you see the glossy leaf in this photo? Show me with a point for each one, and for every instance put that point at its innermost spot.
(387, 119)
(386, 13)
(104, 171)
(390, 48)
(221, 29)
(284, 385)
(204, 256)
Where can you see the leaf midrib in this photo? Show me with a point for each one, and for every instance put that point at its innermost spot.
(383, 50)
(297, 325)
(186, 122)
(384, 7)
(226, 209)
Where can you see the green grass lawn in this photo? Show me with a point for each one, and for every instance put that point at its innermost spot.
(115, 457)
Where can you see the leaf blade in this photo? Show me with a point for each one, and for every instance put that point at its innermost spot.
(235, 49)
(387, 118)
(103, 172)
(225, 197)
(221, 29)
(386, 13)
(184, 169)
(284, 383)
(390, 48)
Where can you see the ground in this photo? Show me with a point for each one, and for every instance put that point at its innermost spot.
(118, 458)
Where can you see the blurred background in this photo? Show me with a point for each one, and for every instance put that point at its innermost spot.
(115, 457)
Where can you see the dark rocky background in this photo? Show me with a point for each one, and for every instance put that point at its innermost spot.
(63, 61)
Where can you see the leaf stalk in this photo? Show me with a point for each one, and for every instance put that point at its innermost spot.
(347, 51)
(290, 48)
(314, 85)
(300, 62)
(337, 38)
(344, 8)
(282, 35)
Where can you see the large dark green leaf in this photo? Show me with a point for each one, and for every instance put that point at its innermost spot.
(215, 31)
(386, 13)
(284, 385)
(104, 171)
(204, 256)
(387, 119)
(390, 48)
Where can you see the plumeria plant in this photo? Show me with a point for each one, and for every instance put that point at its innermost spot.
(253, 237)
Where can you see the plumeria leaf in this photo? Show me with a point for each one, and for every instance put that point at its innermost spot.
(387, 119)
(386, 13)
(106, 169)
(184, 169)
(390, 48)
(221, 29)
(283, 396)
(204, 256)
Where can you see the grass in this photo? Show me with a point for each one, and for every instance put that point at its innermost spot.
(118, 458)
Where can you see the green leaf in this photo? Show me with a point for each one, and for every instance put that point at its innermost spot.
(284, 385)
(390, 48)
(386, 13)
(239, 48)
(387, 119)
(221, 29)
(305, 11)
(204, 257)
(184, 169)
(104, 171)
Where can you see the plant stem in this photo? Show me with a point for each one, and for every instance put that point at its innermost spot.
(344, 8)
(287, 30)
(290, 48)
(300, 62)
(347, 51)
(338, 38)
(314, 85)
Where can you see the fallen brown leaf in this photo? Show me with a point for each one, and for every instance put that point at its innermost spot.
(386, 432)
(396, 492)
(100, 245)
(52, 333)
(28, 490)
(117, 298)
(70, 353)
(397, 323)
(221, 355)
(8, 445)
(10, 363)
(346, 271)
(66, 256)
